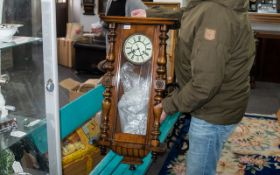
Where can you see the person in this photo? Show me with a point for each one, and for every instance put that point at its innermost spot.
(213, 57)
(123, 7)
(115, 8)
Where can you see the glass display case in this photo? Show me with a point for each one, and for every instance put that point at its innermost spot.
(29, 110)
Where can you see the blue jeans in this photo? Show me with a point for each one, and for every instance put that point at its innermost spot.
(206, 142)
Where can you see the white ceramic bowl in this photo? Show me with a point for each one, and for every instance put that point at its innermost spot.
(7, 31)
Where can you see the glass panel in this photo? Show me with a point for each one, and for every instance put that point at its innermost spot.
(23, 133)
(18, 40)
(134, 93)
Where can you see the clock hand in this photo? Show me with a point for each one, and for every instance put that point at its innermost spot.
(138, 48)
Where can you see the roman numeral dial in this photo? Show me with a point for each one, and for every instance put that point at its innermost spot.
(138, 48)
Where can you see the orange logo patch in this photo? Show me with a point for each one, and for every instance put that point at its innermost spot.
(210, 34)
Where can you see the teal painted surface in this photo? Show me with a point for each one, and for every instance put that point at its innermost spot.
(72, 116)
(77, 112)
(107, 159)
(111, 164)
(39, 138)
(121, 169)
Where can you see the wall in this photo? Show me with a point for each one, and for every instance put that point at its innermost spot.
(76, 14)
(36, 18)
(74, 10)
(1, 10)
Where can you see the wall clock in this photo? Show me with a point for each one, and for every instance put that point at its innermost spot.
(88, 7)
(134, 84)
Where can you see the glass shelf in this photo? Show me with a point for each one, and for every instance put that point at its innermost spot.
(19, 40)
(6, 140)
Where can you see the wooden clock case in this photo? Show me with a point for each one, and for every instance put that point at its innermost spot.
(133, 147)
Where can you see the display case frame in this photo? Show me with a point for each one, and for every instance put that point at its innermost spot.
(52, 86)
(50, 123)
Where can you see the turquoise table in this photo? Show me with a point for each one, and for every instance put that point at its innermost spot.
(111, 164)
(74, 114)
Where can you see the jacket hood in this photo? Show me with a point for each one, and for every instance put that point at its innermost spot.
(238, 5)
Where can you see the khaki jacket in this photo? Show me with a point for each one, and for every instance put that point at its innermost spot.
(213, 57)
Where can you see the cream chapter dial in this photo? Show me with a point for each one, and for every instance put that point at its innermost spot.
(138, 48)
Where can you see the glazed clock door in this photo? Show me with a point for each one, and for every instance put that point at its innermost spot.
(133, 95)
(135, 84)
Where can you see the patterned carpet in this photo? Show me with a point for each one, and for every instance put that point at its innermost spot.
(253, 149)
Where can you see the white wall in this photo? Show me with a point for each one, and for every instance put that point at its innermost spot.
(74, 10)
(86, 21)
(76, 15)
(36, 17)
(1, 10)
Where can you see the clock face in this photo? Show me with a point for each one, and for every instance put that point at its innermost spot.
(138, 48)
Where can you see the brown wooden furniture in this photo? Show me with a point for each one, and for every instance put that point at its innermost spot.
(61, 18)
(264, 17)
(267, 33)
(140, 42)
(89, 52)
(278, 115)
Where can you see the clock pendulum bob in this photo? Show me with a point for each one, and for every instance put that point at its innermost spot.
(134, 84)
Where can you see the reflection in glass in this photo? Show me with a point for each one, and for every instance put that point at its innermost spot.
(135, 83)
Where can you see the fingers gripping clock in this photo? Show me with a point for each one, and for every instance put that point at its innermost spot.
(138, 48)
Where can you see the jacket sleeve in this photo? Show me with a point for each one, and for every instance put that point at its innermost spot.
(210, 52)
(165, 13)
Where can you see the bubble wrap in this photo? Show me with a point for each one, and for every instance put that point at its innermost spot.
(133, 105)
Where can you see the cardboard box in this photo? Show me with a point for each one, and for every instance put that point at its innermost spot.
(82, 160)
(76, 89)
(73, 31)
(66, 52)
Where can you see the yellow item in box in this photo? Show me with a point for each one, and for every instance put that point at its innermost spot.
(92, 128)
(72, 147)
(83, 160)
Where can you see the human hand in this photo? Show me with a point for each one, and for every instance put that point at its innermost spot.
(138, 13)
(96, 29)
(163, 114)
